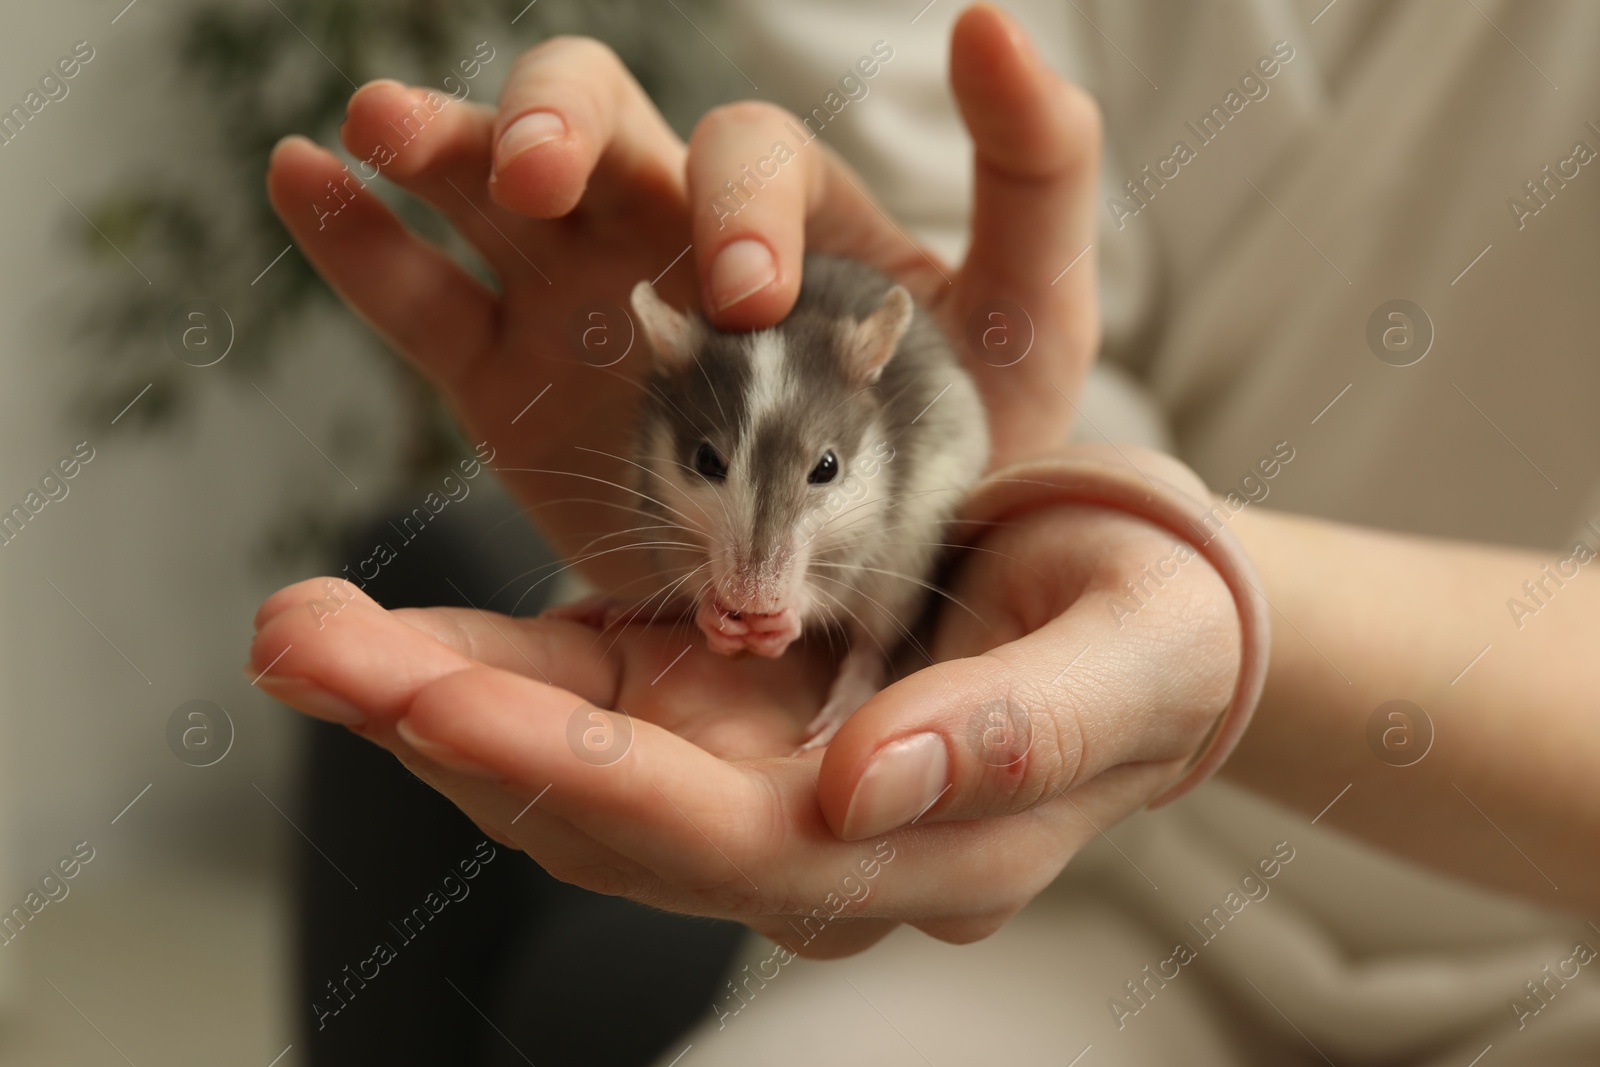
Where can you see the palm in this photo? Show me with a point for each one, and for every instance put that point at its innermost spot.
(733, 708)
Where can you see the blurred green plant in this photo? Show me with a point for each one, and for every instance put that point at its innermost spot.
(208, 231)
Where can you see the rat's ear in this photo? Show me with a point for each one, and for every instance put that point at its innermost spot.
(673, 335)
(870, 343)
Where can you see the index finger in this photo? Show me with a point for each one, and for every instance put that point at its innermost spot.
(575, 126)
(326, 639)
(763, 187)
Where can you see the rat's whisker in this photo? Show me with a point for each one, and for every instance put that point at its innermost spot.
(887, 615)
(567, 561)
(865, 629)
(638, 466)
(621, 622)
(664, 537)
(878, 500)
(687, 619)
(929, 586)
(526, 511)
(631, 529)
(602, 481)
(1008, 557)
(832, 625)
(560, 565)
(829, 615)
(592, 556)
(727, 516)
(675, 587)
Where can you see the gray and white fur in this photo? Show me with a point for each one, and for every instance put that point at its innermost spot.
(773, 545)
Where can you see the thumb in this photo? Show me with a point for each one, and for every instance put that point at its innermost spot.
(1018, 725)
(1036, 147)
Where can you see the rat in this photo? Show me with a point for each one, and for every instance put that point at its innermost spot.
(805, 473)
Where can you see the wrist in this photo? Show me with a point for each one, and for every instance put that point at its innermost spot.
(1164, 493)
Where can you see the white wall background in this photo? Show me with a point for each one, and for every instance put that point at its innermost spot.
(153, 545)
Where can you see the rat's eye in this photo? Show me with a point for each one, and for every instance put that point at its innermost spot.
(826, 470)
(708, 464)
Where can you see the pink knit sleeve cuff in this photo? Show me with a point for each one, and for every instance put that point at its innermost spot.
(1162, 491)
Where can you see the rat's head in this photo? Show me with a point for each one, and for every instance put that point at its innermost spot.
(765, 456)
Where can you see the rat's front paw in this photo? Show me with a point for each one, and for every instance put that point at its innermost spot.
(730, 632)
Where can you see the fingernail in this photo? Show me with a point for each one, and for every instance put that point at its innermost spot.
(740, 270)
(441, 754)
(314, 701)
(901, 782)
(529, 131)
